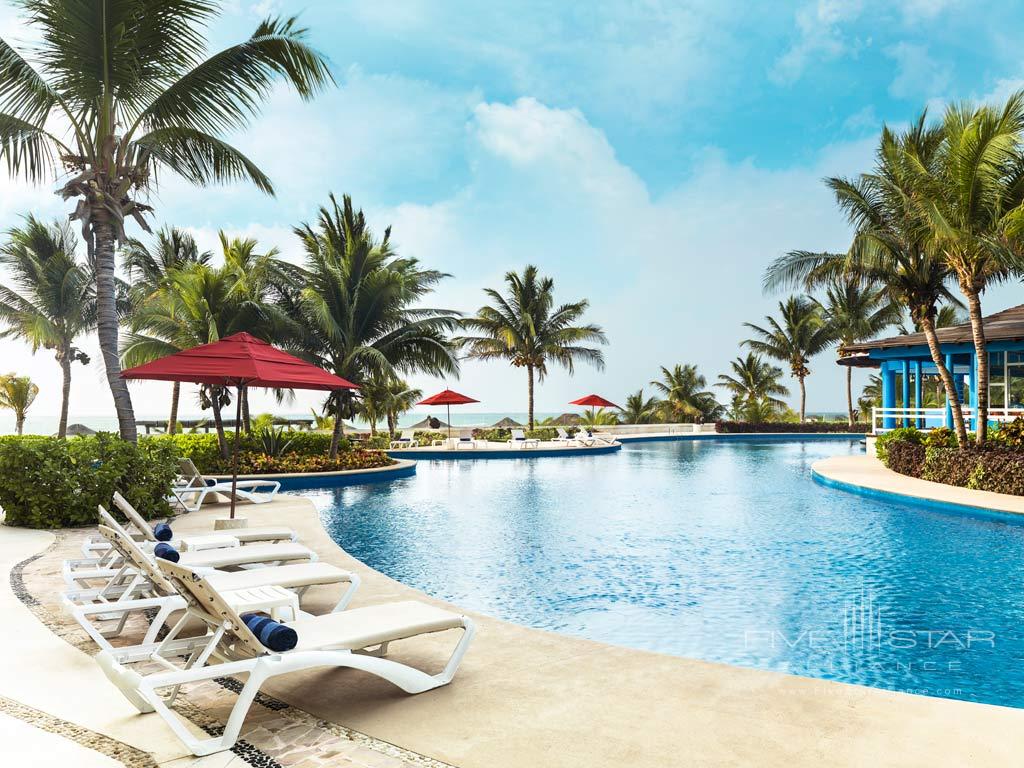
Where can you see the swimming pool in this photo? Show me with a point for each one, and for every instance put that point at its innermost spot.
(724, 550)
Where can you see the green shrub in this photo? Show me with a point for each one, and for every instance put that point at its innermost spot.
(46, 482)
(941, 437)
(543, 433)
(426, 437)
(494, 435)
(377, 442)
(900, 434)
(1010, 434)
(205, 453)
(255, 463)
(906, 457)
(952, 466)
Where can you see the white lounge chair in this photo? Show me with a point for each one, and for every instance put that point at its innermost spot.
(357, 638)
(564, 438)
(149, 590)
(590, 437)
(520, 440)
(194, 487)
(465, 441)
(407, 439)
(83, 574)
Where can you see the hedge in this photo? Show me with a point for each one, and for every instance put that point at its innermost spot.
(46, 482)
(502, 435)
(993, 467)
(788, 426)
(202, 448)
(251, 463)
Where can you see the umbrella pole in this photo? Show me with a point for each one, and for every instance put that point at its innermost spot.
(234, 450)
(448, 409)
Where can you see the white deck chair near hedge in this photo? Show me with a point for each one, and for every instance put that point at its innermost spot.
(520, 440)
(406, 440)
(84, 574)
(103, 615)
(465, 441)
(191, 493)
(357, 638)
(564, 438)
(262, 534)
(590, 437)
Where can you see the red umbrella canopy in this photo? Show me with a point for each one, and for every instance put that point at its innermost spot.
(594, 401)
(239, 360)
(447, 397)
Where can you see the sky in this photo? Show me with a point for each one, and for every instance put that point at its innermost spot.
(650, 156)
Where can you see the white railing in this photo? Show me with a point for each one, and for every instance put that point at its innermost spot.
(884, 419)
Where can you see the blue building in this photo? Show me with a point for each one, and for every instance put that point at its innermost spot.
(912, 393)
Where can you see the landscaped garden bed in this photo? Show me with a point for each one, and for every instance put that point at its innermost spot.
(996, 466)
(814, 427)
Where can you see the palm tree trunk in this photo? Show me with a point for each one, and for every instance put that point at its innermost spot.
(172, 420)
(246, 421)
(218, 421)
(849, 393)
(19, 422)
(981, 353)
(928, 328)
(803, 398)
(529, 395)
(336, 433)
(65, 366)
(392, 424)
(106, 322)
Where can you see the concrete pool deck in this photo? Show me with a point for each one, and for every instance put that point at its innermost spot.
(869, 476)
(523, 697)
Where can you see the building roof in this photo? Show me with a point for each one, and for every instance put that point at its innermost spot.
(1002, 326)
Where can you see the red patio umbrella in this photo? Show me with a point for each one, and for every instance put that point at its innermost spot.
(594, 401)
(240, 360)
(448, 398)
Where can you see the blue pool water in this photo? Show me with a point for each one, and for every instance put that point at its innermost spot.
(724, 551)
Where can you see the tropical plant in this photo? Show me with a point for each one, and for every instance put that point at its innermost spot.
(684, 397)
(871, 395)
(799, 334)
(856, 312)
(150, 271)
(890, 248)
(761, 410)
(49, 300)
(320, 421)
(756, 383)
(972, 199)
(526, 328)
(17, 393)
(357, 313)
(273, 440)
(198, 306)
(599, 417)
(122, 93)
(400, 398)
(640, 410)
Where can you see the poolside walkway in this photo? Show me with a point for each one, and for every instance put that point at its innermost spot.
(522, 696)
(867, 473)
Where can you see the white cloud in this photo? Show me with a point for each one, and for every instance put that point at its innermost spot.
(917, 73)
(819, 38)
(924, 10)
(862, 120)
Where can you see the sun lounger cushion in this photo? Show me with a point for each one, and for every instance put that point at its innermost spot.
(277, 637)
(367, 627)
(254, 553)
(248, 535)
(162, 532)
(165, 551)
(287, 576)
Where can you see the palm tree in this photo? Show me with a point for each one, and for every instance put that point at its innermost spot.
(856, 312)
(122, 93)
(890, 248)
(150, 272)
(357, 313)
(198, 306)
(50, 300)
(599, 417)
(971, 198)
(871, 395)
(527, 329)
(684, 396)
(17, 393)
(400, 397)
(801, 334)
(639, 410)
(756, 381)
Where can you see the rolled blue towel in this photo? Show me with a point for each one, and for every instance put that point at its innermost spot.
(162, 532)
(165, 551)
(275, 636)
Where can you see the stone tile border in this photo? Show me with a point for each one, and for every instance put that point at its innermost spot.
(126, 754)
(275, 735)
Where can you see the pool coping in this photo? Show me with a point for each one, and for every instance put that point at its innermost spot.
(869, 477)
(734, 436)
(505, 453)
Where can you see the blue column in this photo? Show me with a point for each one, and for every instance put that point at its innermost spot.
(918, 391)
(888, 394)
(974, 391)
(906, 389)
(949, 404)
